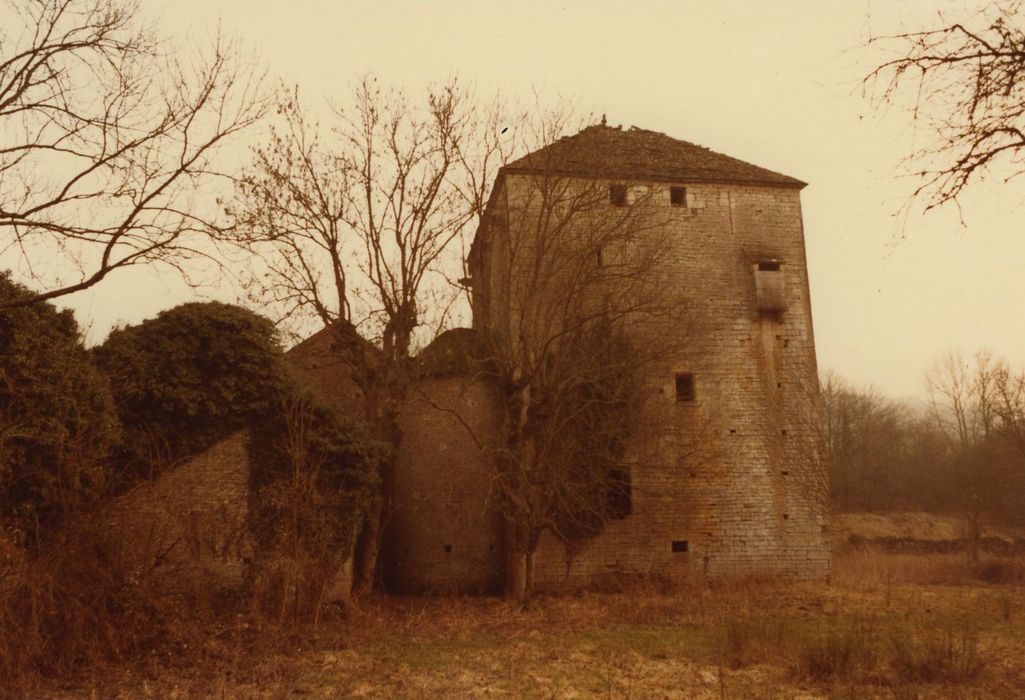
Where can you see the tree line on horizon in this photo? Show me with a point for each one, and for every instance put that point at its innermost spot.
(961, 451)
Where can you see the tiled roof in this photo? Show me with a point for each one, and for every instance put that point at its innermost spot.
(606, 151)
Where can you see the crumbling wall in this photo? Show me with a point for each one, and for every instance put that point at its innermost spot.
(187, 530)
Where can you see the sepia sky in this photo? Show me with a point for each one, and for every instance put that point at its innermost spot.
(773, 83)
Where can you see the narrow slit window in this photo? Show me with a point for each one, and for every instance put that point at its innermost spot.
(600, 258)
(685, 387)
(678, 196)
(681, 546)
(617, 195)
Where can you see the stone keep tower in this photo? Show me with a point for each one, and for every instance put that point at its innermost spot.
(728, 472)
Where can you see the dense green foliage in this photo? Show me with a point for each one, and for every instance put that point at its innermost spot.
(191, 376)
(313, 482)
(199, 372)
(314, 475)
(57, 418)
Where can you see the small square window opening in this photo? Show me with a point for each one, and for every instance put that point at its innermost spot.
(681, 546)
(685, 387)
(678, 196)
(617, 195)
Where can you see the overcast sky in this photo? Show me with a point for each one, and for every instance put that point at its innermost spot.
(772, 83)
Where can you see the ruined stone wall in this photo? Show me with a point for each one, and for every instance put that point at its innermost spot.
(442, 535)
(187, 530)
(735, 477)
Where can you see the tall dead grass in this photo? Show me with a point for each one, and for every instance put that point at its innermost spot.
(74, 606)
(868, 567)
(78, 609)
(293, 588)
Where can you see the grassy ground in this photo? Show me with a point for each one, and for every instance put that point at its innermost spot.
(886, 626)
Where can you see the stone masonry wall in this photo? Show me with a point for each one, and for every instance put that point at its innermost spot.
(442, 535)
(187, 530)
(736, 477)
(321, 369)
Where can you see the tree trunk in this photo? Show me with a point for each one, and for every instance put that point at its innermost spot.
(521, 548)
(368, 548)
(383, 399)
(518, 544)
(528, 587)
(516, 576)
(974, 533)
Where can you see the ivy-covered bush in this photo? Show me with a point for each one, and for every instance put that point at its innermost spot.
(57, 418)
(189, 377)
(314, 479)
(314, 468)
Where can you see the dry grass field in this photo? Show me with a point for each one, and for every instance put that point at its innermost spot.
(888, 626)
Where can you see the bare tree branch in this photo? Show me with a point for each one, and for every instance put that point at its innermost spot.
(105, 139)
(963, 83)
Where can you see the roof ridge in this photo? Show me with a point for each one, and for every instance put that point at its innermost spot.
(611, 151)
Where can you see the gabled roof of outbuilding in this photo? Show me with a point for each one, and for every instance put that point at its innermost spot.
(614, 152)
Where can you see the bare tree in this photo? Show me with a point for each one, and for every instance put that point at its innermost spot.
(962, 81)
(977, 404)
(567, 290)
(354, 223)
(1009, 389)
(360, 226)
(883, 454)
(105, 139)
(859, 433)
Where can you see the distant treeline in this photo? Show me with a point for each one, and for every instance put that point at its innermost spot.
(959, 451)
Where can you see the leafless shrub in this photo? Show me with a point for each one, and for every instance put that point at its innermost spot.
(838, 651)
(75, 606)
(952, 656)
(740, 640)
(1005, 571)
(293, 589)
(869, 568)
(314, 483)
